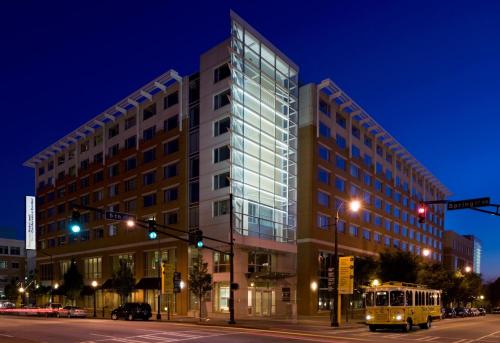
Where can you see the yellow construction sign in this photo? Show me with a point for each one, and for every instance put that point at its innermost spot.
(346, 275)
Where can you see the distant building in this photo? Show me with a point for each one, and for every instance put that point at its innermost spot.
(457, 251)
(12, 261)
(476, 253)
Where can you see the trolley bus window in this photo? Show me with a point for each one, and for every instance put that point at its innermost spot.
(397, 298)
(369, 299)
(409, 298)
(382, 299)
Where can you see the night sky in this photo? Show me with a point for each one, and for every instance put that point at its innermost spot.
(429, 72)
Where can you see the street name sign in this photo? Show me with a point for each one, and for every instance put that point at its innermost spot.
(346, 275)
(331, 279)
(469, 203)
(110, 215)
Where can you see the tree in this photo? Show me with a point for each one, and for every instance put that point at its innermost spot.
(436, 276)
(365, 270)
(11, 290)
(123, 281)
(398, 266)
(200, 281)
(493, 293)
(73, 282)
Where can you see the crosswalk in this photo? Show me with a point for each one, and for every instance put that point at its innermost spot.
(156, 336)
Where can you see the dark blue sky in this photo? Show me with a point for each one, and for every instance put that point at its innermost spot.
(427, 71)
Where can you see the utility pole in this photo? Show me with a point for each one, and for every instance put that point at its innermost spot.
(231, 265)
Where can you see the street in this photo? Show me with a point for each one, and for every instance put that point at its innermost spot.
(54, 330)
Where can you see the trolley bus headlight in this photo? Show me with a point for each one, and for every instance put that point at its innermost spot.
(399, 317)
(368, 317)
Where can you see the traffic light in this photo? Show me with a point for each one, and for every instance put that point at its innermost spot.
(152, 230)
(75, 224)
(422, 211)
(196, 238)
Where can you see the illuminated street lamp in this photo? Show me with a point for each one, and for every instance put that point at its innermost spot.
(468, 269)
(375, 283)
(426, 252)
(130, 223)
(481, 297)
(22, 290)
(354, 206)
(56, 286)
(94, 285)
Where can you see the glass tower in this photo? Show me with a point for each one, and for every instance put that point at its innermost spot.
(264, 112)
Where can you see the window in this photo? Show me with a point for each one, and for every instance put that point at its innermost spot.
(83, 148)
(380, 150)
(221, 207)
(259, 261)
(366, 217)
(98, 158)
(131, 142)
(323, 222)
(113, 131)
(356, 132)
(323, 176)
(114, 170)
(388, 174)
(84, 165)
(15, 251)
(324, 130)
(341, 121)
(376, 237)
(99, 233)
(130, 122)
(171, 100)
(170, 171)
(367, 160)
(324, 153)
(324, 108)
(4, 250)
(221, 180)
(388, 208)
(84, 200)
(354, 171)
(355, 151)
(221, 154)
(378, 185)
(113, 190)
(378, 221)
(353, 230)
(130, 185)
(368, 141)
(130, 205)
(149, 133)
(396, 229)
(98, 176)
(98, 196)
(171, 146)
(92, 268)
(170, 218)
(222, 72)
(387, 241)
(41, 171)
(366, 234)
(222, 99)
(149, 155)
(171, 194)
(61, 159)
(388, 191)
(149, 178)
(84, 182)
(113, 150)
(340, 162)
(221, 262)
(149, 112)
(130, 163)
(222, 126)
(367, 179)
(149, 200)
(171, 123)
(323, 199)
(341, 142)
(4, 264)
(387, 224)
(112, 230)
(15, 265)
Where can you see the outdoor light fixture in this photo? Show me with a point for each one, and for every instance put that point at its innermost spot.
(314, 286)
(94, 283)
(481, 297)
(355, 205)
(375, 283)
(56, 286)
(468, 269)
(182, 284)
(21, 290)
(426, 252)
(130, 223)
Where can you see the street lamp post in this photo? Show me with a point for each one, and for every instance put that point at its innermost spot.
(94, 285)
(355, 205)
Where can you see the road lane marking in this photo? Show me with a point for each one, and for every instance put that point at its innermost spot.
(490, 335)
(5, 335)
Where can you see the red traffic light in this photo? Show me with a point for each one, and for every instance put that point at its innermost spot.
(421, 213)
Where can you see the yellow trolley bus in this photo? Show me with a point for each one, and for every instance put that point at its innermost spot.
(401, 305)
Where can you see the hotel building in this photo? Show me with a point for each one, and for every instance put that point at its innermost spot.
(174, 150)
(345, 154)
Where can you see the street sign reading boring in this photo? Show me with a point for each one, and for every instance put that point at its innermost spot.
(469, 203)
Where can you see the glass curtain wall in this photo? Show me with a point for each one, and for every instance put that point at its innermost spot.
(264, 95)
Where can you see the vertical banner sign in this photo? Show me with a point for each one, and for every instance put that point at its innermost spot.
(168, 277)
(346, 275)
(30, 222)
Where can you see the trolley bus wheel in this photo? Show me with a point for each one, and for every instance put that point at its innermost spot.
(427, 325)
(372, 328)
(408, 326)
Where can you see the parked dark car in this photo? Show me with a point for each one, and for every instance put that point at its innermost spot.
(449, 313)
(131, 311)
(495, 310)
(482, 311)
(461, 312)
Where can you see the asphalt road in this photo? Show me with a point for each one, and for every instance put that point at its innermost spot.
(62, 330)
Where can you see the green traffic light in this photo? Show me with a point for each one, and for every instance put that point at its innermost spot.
(75, 228)
(199, 244)
(153, 235)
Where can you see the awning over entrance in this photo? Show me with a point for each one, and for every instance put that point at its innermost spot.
(148, 283)
(269, 275)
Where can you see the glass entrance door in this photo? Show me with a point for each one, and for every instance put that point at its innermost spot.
(263, 302)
